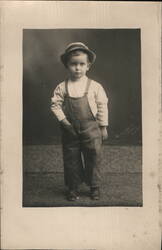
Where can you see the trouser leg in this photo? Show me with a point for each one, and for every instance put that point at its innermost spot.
(92, 160)
(73, 167)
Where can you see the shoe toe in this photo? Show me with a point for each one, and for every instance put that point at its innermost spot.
(72, 196)
(95, 194)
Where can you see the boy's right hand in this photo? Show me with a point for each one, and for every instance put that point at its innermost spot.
(67, 125)
(65, 122)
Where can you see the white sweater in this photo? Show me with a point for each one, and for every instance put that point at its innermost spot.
(96, 96)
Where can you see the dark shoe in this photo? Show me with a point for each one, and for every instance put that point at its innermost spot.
(95, 193)
(72, 195)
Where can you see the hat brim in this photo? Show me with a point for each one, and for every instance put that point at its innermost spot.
(91, 55)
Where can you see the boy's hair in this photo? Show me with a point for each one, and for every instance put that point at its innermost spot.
(76, 53)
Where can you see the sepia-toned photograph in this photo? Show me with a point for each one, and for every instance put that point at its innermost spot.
(80, 125)
(82, 121)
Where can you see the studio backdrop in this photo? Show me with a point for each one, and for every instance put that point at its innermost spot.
(117, 68)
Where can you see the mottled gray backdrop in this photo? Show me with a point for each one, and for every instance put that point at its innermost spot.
(117, 68)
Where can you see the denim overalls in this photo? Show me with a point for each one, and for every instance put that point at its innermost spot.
(82, 148)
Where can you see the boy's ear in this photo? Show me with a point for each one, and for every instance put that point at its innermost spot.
(89, 65)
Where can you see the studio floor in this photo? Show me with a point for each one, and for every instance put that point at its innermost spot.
(43, 179)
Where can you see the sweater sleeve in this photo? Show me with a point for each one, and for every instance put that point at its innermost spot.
(57, 102)
(102, 107)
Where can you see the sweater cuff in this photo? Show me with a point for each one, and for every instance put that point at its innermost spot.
(60, 116)
(103, 124)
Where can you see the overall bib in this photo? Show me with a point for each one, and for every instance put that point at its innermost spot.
(82, 148)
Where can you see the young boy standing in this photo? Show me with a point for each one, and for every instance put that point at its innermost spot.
(80, 104)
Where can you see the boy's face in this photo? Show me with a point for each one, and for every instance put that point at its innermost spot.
(78, 65)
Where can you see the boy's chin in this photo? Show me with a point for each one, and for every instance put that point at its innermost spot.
(77, 76)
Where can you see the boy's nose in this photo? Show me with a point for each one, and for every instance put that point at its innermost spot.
(77, 65)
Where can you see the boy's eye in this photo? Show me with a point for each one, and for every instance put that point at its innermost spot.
(75, 64)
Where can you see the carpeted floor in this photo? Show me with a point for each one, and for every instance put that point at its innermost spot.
(43, 181)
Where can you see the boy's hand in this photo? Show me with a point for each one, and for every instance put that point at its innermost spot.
(104, 133)
(67, 125)
(66, 122)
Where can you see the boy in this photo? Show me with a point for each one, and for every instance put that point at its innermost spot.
(80, 104)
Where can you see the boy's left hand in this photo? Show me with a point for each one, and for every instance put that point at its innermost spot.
(104, 133)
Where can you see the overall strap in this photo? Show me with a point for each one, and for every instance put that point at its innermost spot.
(66, 87)
(87, 87)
